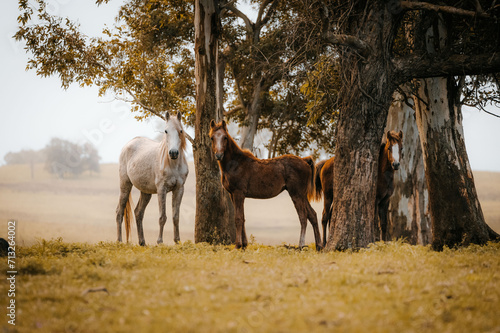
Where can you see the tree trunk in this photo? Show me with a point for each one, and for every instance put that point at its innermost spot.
(456, 215)
(249, 129)
(211, 219)
(409, 215)
(369, 86)
(457, 218)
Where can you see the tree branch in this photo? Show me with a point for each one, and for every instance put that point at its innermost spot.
(238, 13)
(155, 112)
(238, 85)
(410, 5)
(346, 40)
(233, 110)
(263, 20)
(415, 66)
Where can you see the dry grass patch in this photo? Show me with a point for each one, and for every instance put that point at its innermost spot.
(392, 287)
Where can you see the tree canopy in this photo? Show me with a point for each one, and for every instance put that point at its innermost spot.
(147, 59)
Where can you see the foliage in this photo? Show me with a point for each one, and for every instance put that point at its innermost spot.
(24, 156)
(389, 287)
(147, 59)
(299, 128)
(139, 60)
(64, 157)
(268, 63)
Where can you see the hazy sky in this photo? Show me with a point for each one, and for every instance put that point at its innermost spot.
(36, 109)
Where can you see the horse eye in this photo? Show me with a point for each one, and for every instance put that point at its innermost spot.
(166, 132)
(181, 131)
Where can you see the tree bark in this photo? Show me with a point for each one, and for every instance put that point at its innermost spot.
(409, 215)
(365, 103)
(457, 218)
(370, 74)
(211, 219)
(456, 215)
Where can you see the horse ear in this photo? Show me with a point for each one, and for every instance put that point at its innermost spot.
(212, 124)
(388, 134)
(224, 125)
(167, 116)
(179, 116)
(401, 135)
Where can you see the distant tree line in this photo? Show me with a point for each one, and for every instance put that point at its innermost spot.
(61, 158)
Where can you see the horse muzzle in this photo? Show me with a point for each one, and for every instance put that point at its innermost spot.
(174, 154)
(219, 156)
(395, 165)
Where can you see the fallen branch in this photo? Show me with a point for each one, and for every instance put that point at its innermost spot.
(95, 290)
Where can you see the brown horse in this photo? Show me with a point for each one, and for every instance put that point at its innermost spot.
(388, 163)
(245, 176)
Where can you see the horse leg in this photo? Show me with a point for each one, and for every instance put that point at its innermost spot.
(313, 219)
(176, 204)
(244, 241)
(376, 223)
(162, 198)
(139, 215)
(125, 189)
(326, 217)
(239, 219)
(300, 207)
(383, 210)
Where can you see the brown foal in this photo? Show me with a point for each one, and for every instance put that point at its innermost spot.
(390, 153)
(245, 176)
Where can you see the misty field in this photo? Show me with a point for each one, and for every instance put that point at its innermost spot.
(392, 287)
(83, 209)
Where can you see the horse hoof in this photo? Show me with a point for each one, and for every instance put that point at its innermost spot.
(159, 241)
(142, 243)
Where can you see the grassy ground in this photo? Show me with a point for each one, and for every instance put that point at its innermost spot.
(391, 287)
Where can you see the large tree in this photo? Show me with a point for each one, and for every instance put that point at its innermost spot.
(364, 35)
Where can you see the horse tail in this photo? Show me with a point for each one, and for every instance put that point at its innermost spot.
(318, 188)
(128, 215)
(310, 186)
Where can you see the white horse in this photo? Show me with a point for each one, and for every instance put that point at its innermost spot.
(153, 167)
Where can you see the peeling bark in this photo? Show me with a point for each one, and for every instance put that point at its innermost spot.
(456, 215)
(408, 215)
(457, 218)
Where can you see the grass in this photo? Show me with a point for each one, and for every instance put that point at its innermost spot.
(389, 287)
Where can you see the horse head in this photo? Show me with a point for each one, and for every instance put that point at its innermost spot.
(218, 135)
(394, 147)
(174, 135)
